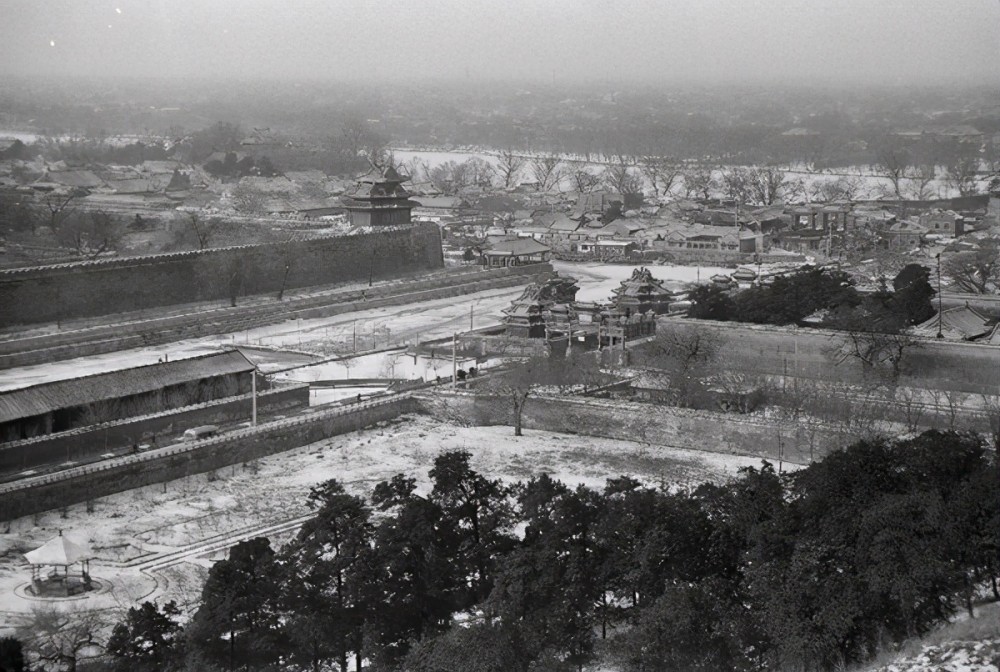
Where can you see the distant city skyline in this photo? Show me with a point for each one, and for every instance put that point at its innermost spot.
(888, 41)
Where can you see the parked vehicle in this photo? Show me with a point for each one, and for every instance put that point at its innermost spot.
(198, 433)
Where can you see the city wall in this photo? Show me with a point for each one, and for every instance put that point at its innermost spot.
(116, 285)
(89, 442)
(97, 339)
(646, 423)
(83, 484)
(814, 353)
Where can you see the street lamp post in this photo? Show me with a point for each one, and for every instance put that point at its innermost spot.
(938, 257)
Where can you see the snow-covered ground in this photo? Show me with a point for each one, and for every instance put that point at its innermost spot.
(375, 328)
(136, 528)
(393, 364)
(872, 185)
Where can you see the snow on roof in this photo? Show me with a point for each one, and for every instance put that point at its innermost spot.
(963, 322)
(72, 178)
(47, 397)
(59, 551)
(516, 247)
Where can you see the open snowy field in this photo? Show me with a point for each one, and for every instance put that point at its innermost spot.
(200, 516)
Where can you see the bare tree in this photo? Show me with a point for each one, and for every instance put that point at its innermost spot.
(91, 234)
(954, 403)
(585, 181)
(741, 390)
(991, 407)
(963, 175)
(687, 357)
(418, 169)
(509, 167)
(620, 175)
(662, 172)
(480, 172)
(736, 181)
(765, 184)
(921, 177)
(913, 407)
(978, 270)
(61, 637)
(698, 182)
(893, 163)
(546, 171)
(59, 206)
(881, 353)
(447, 177)
(528, 378)
(203, 229)
(841, 189)
(233, 274)
(760, 186)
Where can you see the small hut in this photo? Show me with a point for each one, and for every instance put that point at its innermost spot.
(46, 561)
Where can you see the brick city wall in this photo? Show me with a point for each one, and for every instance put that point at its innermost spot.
(101, 287)
(813, 353)
(35, 349)
(648, 423)
(88, 442)
(126, 473)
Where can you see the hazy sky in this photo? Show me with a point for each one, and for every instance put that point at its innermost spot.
(788, 40)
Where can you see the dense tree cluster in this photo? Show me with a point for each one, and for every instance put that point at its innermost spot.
(809, 571)
(234, 166)
(792, 298)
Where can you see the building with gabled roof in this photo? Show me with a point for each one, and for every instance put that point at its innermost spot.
(516, 252)
(961, 323)
(80, 179)
(65, 404)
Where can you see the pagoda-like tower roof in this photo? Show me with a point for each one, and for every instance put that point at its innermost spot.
(642, 292)
(378, 190)
(530, 304)
(641, 283)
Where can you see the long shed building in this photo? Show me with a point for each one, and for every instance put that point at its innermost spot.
(77, 402)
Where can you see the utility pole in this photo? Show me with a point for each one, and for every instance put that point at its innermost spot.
(355, 336)
(253, 396)
(938, 257)
(471, 316)
(454, 360)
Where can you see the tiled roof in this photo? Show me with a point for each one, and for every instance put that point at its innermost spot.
(47, 397)
(961, 321)
(516, 247)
